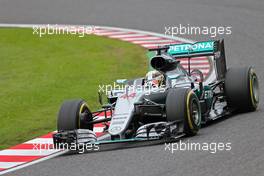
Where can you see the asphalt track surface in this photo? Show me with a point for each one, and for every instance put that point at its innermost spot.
(243, 47)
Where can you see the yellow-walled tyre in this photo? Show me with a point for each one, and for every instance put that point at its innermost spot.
(242, 89)
(74, 114)
(182, 104)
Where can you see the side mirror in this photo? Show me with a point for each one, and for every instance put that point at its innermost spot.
(121, 81)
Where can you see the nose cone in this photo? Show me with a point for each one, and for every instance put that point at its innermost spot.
(124, 111)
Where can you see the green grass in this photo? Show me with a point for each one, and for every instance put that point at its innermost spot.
(38, 74)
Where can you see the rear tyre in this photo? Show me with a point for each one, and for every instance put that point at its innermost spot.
(74, 114)
(242, 89)
(183, 104)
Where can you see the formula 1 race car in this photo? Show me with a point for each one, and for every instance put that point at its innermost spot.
(169, 102)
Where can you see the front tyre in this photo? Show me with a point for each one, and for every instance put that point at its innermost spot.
(242, 89)
(74, 114)
(183, 104)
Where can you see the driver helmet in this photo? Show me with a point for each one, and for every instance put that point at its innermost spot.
(155, 78)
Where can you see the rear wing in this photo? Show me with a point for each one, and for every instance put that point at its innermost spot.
(205, 48)
(200, 49)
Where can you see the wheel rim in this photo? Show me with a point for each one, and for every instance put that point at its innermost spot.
(83, 114)
(255, 88)
(196, 113)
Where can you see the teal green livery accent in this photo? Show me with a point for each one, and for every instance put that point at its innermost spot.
(208, 95)
(187, 48)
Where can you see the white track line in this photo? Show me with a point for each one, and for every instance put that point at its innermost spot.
(40, 141)
(126, 35)
(156, 45)
(111, 33)
(6, 165)
(152, 41)
(133, 39)
(37, 152)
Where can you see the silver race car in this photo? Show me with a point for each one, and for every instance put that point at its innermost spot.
(167, 103)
